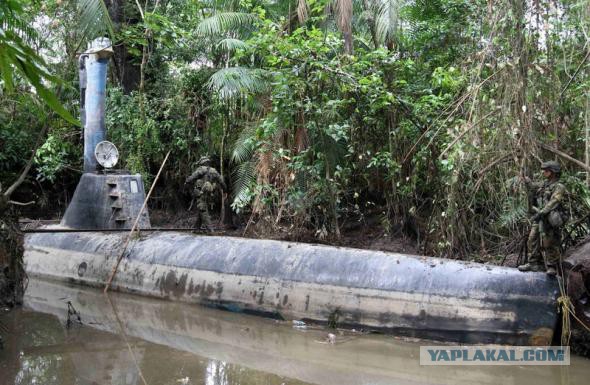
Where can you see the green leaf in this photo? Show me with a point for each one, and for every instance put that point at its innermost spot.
(95, 19)
(225, 21)
(234, 82)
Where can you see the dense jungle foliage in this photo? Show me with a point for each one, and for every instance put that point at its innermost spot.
(419, 117)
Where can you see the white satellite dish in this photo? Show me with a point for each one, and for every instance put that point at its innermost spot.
(106, 154)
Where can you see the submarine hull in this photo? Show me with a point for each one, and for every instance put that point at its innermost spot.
(409, 295)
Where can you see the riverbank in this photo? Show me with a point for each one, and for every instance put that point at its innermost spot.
(12, 274)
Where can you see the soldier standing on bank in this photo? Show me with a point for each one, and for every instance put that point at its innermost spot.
(544, 239)
(207, 182)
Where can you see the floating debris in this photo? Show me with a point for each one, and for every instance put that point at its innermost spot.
(299, 324)
(331, 338)
(72, 312)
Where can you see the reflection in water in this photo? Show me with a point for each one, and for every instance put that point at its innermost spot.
(42, 351)
(215, 373)
(39, 371)
(121, 329)
(137, 341)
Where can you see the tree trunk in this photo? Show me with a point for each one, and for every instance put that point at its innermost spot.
(127, 67)
(521, 109)
(226, 123)
(587, 137)
(333, 203)
(348, 42)
(371, 22)
(12, 273)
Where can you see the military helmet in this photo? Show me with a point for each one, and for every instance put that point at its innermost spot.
(551, 166)
(204, 161)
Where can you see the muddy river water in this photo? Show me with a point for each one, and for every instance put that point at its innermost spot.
(131, 340)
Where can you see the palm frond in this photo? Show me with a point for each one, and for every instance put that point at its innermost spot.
(234, 82)
(225, 21)
(94, 18)
(387, 20)
(231, 44)
(244, 176)
(343, 15)
(513, 213)
(342, 11)
(10, 20)
(17, 56)
(244, 146)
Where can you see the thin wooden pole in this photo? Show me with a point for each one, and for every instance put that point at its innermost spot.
(114, 271)
(565, 156)
(122, 330)
(587, 138)
(151, 229)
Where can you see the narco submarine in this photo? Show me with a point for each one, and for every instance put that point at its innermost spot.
(403, 294)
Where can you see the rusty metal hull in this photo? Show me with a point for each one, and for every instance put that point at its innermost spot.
(417, 296)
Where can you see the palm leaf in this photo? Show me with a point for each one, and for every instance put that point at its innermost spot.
(343, 15)
(513, 213)
(15, 54)
(244, 176)
(94, 18)
(10, 20)
(234, 82)
(244, 145)
(386, 20)
(225, 21)
(342, 10)
(231, 45)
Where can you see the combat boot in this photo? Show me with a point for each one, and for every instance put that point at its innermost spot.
(531, 267)
(551, 270)
(206, 229)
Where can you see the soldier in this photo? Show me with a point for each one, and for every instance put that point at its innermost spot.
(545, 236)
(207, 182)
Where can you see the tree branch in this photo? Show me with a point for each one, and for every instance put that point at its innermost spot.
(564, 156)
(21, 203)
(461, 135)
(29, 164)
(494, 163)
(575, 73)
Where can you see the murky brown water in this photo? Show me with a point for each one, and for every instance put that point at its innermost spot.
(135, 341)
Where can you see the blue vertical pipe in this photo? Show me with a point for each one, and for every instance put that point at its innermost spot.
(94, 128)
(83, 89)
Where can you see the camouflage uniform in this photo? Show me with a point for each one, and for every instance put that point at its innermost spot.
(207, 182)
(545, 236)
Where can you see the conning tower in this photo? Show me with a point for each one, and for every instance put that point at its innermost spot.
(105, 198)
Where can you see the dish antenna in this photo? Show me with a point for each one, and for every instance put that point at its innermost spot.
(106, 154)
